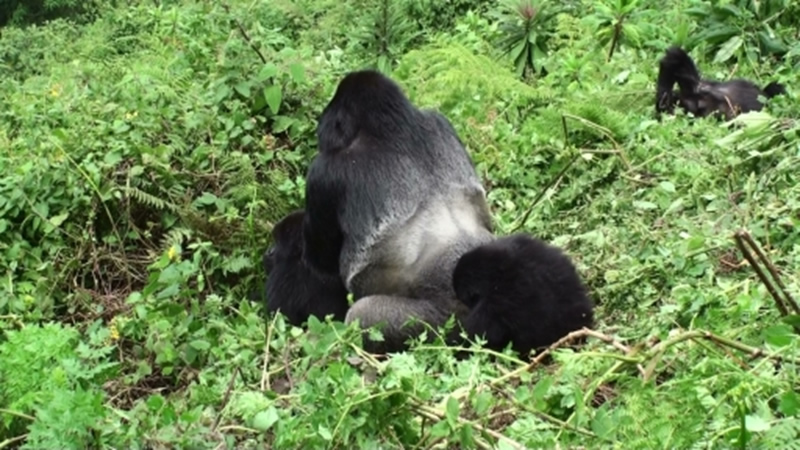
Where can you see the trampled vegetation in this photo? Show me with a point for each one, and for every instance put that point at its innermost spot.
(147, 148)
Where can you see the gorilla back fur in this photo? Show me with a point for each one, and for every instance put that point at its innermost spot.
(705, 97)
(523, 291)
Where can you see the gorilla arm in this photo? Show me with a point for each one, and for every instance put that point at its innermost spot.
(322, 234)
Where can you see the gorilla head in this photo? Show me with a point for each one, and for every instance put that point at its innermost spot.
(292, 288)
(522, 291)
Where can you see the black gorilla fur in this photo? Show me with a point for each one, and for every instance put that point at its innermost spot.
(705, 97)
(521, 290)
(292, 287)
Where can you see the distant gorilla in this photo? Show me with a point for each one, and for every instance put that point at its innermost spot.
(521, 290)
(294, 289)
(392, 202)
(705, 97)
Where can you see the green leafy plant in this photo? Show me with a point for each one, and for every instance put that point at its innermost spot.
(526, 27)
(615, 24)
(744, 28)
(51, 378)
(391, 34)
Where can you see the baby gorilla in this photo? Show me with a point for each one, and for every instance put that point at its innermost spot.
(521, 290)
(294, 289)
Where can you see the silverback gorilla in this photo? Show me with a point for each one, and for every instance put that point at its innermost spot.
(294, 289)
(705, 97)
(520, 289)
(392, 202)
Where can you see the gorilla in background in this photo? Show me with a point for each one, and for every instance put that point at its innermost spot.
(392, 202)
(522, 290)
(293, 288)
(705, 97)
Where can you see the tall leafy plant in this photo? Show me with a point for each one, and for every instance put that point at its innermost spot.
(614, 26)
(526, 27)
(391, 35)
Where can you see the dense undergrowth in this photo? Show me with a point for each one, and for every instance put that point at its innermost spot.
(146, 149)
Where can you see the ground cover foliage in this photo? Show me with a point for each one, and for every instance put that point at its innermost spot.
(147, 148)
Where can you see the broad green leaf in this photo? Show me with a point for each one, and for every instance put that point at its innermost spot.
(268, 71)
(298, 72)
(778, 335)
(728, 11)
(169, 291)
(790, 403)
(273, 94)
(770, 42)
(264, 420)
(641, 204)
(324, 432)
(243, 88)
(482, 402)
(282, 123)
(59, 219)
(200, 344)
(792, 319)
(452, 411)
(207, 199)
(668, 186)
(155, 402)
(718, 33)
(756, 424)
(728, 49)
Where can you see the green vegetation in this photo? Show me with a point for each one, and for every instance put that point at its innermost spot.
(146, 149)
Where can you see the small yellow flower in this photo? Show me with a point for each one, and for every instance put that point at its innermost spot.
(55, 91)
(172, 253)
(130, 116)
(114, 331)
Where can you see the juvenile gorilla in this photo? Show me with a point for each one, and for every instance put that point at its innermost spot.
(392, 202)
(705, 97)
(294, 289)
(521, 290)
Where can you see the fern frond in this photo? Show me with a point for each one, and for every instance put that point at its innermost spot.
(149, 199)
(446, 73)
(175, 236)
(235, 264)
(784, 435)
